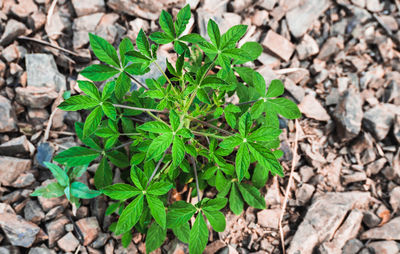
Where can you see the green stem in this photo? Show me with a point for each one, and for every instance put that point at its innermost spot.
(140, 109)
(210, 125)
(131, 134)
(208, 135)
(165, 75)
(136, 81)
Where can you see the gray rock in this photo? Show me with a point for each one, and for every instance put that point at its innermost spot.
(11, 168)
(324, 217)
(17, 230)
(83, 8)
(12, 31)
(331, 47)
(395, 198)
(389, 231)
(371, 219)
(82, 26)
(33, 212)
(379, 119)
(7, 116)
(41, 250)
(352, 246)
(35, 97)
(374, 5)
(68, 243)
(392, 93)
(312, 108)
(24, 180)
(386, 247)
(42, 71)
(302, 17)
(100, 241)
(9, 250)
(146, 9)
(20, 145)
(55, 229)
(396, 128)
(304, 193)
(348, 115)
(269, 218)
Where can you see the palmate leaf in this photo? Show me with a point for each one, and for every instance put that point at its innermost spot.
(103, 50)
(76, 156)
(166, 23)
(242, 161)
(285, 107)
(143, 44)
(179, 213)
(103, 175)
(178, 151)
(232, 36)
(266, 158)
(252, 196)
(159, 145)
(121, 191)
(216, 219)
(235, 200)
(125, 46)
(89, 88)
(92, 121)
(214, 33)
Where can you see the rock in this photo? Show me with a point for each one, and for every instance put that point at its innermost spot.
(100, 241)
(33, 212)
(241, 5)
(41, 250)
(267, 4)
(301, 18)
(20, 145)
(6, 208)
(376, 166)
(35, 97)
(371, 219)
(10, 250)
(58, 23)
(83, 8)
(17, 230)
(11, 53)
(359, 3)
(177, 247)
(54, 212)
(348, 115)
(278, 45)
(296, 91)
(347, 231)
(354, 177)
(323, 218)
(37, 20)
(388, 231)
(44, 153)
(68, 243)
(42, 71)
(7, 116)
(385, 247)
(304, 193)
(90, 229)
(269, 218)
(24, 8)
(37, 116)
(11, 168)
(82, 26)
(331, 47)
(214, 247)
(352, 246)
(312, 108)
(55, 229)
(260, 18)
(307, 47)
(12, 30)
(108, 27)
(374, 5)
(396, 128)
(378, 120)
(395, 198)
(146, 9)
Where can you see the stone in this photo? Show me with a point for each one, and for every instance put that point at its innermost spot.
(35, 97)
(100, 241)
(378, 120)
(296, 91)
(312, 108)
(278, 45)
(146, 9)
(359, 3)
(307, 47)
(37, 20)
(301, 18)
(260, 17)
(396, 128)
(385, 247)
(375, 167)
(19, 145)
(54, 212)
(354, 177)
(348, 115)
(352, 246)
(214, 247)
(304, 193)
(269, 218)
(267, 4)
(68, 243)
(390, 22)
(11, 168)
(108, 27)
(55, 229)
(324, 217)
(11, 53)
(42, 71)
(388, 231)
(33, 212)
(374, 5)
(331, 47)
(49, 203)
(6, 208)
(58, 23)
(395, 198)
(24, 8)
(12, 30)
(85, 7)
(37, 116)
(17, 230)
(41, 250)
(177, 247)
(90, 229)
(44, 153)
(7, 116)
(82, 26)
(371, 219)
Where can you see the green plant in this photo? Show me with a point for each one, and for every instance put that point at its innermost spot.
(195, 137)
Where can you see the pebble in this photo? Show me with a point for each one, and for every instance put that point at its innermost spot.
(12, 30)
(312, 108)
(11, 168)
(7, 116)
(389, 231)
(385, 247)
(379, 119)
(68, 243)
(352, 246)
(90, 229)
(307, 47)
(19, 145)
(278, 45)
(33, 212)
(304, 193)
(370, 219)
(269, 218)
(83, 8)
(35, 97)
(55, 229)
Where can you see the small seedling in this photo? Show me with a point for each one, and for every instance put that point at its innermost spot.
(195, 138)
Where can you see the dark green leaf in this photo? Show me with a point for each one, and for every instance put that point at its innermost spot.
(214, 33)
(118, 158)
(89, 88)
(242, 161)
(182, 19)
(166, 23)
(103, 175)
(159, 188)
(138, 178)
(126, 239)
(143, 44)
(161, 38)
(264, 134)
(92, 121)
(215, 204)
(178, 151)
(76, 156)
(182, 232)
(154, 127)
(285, 107)
(260, 176)
(125, 46)
(252, 196)
(157, 210)
(109, 110)
(275, 89)
(99, 72)
(159, 145)
(122, 85)
(103, 50)
(179, 213)
(235, 200)
(245, 124)
(155, 237)
(216, 219)
(130, 216)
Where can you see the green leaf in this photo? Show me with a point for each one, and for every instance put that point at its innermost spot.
(231, 142)
(78, 171)
(185, 132)
(232, 36)
(178, 151)
(139, 178)
(216, 219)
(245, 124)
(143, 44)
(159, 188)
(155, 237)
(157, 210)
(161, 38)
(120, 191)
(51, 190)
(182, 232)
(235, 200)
(174, 120)
(159, 145)
(80, 190)
(126, 239)
(214, 33)
(103, 175)
(266, 158)
(136, 57)
(259, 83)
(122, 85)
(242, 161)
(99, 72)
(264, 134)
(112, 208)
(130, 216)
(203, 96)
(182, 19)
(215, 204)
(179, 213)
(125, 46)
(154, 127)
(252, 196)
(76, 156)
(118, 158)
(89, 88)
(253, 49)
(257, 109)
(59, 174)
(108, 90)
(166, 24)
(260, 176)
(78, 102)
(198, 237)
(285, 107)
(109, 110)
(92, 121)
(213, 82)
(275, 89)
(103, 50)
(237, 54)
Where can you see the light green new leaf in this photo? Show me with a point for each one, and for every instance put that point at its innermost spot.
(285, 107)
(154, 127)
(51, 190)
(130, 216)
(178, 151)
(89, 88)
(109, 110)
(182, 19)
(76, 156)
(157, 210)
(275, 89)
(80, 190)
(155, 237)
(159, 145)
(166, 23)
(108, 90)
(198, 237)
(143, 44)
(59, 174)
(252, 196)
(99, 72)
(253, 49)
(92, 121)
(103, 175)
(103, 50)
(78, 102)
(214, 33)
(216, 219)
(120, 191)
(242, 161)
